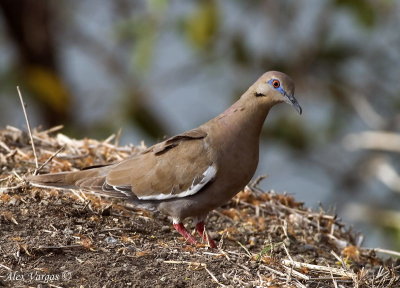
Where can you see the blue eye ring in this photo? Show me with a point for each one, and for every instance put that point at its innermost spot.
(276, 84)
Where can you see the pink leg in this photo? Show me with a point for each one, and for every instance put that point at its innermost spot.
(201, 229)
(182, 230)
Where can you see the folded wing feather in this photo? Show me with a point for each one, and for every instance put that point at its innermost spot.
(178, 167)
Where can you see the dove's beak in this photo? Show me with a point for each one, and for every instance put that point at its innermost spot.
(292, 101)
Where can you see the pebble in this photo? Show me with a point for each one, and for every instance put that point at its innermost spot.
(165, 228)
(111, 240)
(68, 231)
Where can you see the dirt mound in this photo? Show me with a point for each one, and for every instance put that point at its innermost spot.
(52, 238)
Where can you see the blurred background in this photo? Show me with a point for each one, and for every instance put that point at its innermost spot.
(156, 68)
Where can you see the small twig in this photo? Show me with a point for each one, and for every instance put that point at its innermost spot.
(223, 252)
(213, 254)
(298, 284)
(4, 145)
(245, 249)
(339, 259)
(44, 141)
(5, 178)
(6, 267)
(287, 252)
(29, 128)
(5, 189)
(13, 129)
(333, 279)
(17, 175)
(273, 270)
(338, 279)
(296, 273)
(260, 278)
(50, 158)
(78, 194)
(115, 229)
(253, 186)
(58, 247)
(213, 277)
(55, 286)
(336, 271)
(258, 180)
(109, 139)
(385, 251)
(118, 137)
(284, 228)
(184, 262)
(52, 129)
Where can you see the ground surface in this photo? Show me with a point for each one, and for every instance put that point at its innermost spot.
(50, 238)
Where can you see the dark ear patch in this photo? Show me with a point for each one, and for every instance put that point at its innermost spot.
(258, 94)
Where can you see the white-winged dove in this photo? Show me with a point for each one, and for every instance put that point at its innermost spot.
(192, 173)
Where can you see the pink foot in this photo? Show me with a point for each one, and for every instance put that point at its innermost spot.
(182, 230)
(201, 229)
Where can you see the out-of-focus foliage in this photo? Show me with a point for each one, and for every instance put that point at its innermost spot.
(363, 10)
(142, 30)
(29, 26)
(48, 88)
(290, 131)
(201, 25)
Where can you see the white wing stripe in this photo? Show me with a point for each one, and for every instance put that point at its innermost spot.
(106, 187)
(122, 191)
(208, 175)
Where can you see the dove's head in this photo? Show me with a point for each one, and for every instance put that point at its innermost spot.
(276, 87)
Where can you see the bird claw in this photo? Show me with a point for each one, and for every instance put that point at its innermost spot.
(200, 228)
(182, 230)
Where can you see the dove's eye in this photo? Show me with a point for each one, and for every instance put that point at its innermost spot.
(276, 83)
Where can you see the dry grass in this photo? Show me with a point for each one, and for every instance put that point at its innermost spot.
(265, 239)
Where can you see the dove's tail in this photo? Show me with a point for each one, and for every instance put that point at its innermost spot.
(70, 180)
(91, 181)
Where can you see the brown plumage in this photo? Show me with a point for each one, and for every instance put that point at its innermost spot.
(192, 173)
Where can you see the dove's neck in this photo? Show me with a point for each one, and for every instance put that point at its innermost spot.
(245, 118)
